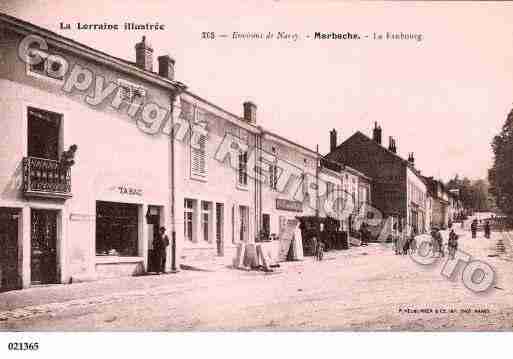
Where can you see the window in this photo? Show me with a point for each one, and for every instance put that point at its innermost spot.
(205, 220)
(188, 219)
(219, 221)
(116, 229)
(43, 133)
(243, 169)
(330, 190)
(131, 92)
(198, 157)
(273, 177)
(244, 223)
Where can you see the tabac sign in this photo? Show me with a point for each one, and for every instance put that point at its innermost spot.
(288, 205)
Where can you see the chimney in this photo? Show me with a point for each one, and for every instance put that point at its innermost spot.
(411, 159)
(167, 67)
(250, 112)
(376, 133)
(144, 55)
(333, 140)
(391, 144)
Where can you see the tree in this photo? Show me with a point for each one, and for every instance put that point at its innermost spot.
(501, 173)
(473, 194)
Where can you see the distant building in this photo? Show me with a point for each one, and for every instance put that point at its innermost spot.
(440, 211)
(398, 189)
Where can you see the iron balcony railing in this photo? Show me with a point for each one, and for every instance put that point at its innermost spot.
(46, 178)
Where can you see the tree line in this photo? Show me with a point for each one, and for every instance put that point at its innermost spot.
(474, 194)
(501, 173)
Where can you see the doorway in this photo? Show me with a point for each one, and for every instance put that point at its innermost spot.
(9, 278)
(153, 220)
(43, 261)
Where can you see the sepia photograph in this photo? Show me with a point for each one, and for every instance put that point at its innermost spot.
(255, 166)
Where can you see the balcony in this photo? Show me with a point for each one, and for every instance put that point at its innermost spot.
(46, 178)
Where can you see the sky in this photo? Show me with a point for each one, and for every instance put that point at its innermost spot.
(443, 98)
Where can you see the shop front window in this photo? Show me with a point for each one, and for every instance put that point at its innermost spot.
(117, 232)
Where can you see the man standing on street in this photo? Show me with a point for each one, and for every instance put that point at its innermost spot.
(473, 228)
(487, 229)
(160, 244)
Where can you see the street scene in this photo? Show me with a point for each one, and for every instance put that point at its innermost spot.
(236, 171)
(306, 295)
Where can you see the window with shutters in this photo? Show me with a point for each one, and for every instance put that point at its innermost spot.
(131, 92)
(199, 158)
(330, 191)
(273, 177)
(243, 170)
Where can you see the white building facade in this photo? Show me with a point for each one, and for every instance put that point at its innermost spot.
(98, 153)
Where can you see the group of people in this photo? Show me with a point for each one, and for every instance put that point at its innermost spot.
(404, 243)
(486, 227)
(437, 245)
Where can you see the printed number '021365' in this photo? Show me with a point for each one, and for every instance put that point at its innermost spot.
(23, 346)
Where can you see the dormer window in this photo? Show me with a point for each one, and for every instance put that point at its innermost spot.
(130, 92)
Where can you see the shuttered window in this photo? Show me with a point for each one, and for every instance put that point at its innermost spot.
(131, 92)
(199, 157)
(243, 169)
(273, 177)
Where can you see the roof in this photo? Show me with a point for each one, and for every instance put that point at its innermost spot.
(279, 137)
(339, 167)
(361, 135)
(60, 41)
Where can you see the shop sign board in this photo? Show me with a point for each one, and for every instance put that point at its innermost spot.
(288, 205)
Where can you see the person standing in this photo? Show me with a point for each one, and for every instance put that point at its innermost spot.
(363, 234)
(473, 228)
(487, 229)
(452, 244)
(160, 244)
(413, 243)
(440, 243)
(434, 241)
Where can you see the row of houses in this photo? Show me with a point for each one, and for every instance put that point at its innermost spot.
(400, 192)
(98, 152)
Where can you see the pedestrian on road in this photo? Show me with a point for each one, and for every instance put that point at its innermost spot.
(319, 252)
(413, 243)
(160, 244)
(397, 239)
(434, 242)
(473, 228)
(313, 242)
(452, 245)
(440, 243)
(487, 229)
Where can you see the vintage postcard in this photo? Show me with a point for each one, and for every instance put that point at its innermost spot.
(263, 166)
